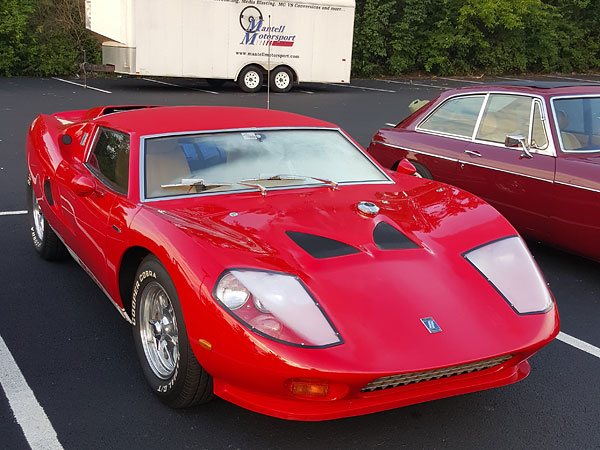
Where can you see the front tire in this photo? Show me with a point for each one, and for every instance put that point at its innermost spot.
(161, 341)
(282, 79)
(45, 241)
(250, 79)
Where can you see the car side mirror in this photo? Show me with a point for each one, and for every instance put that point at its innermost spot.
(83, 185)
(406, 167)
(516, 141)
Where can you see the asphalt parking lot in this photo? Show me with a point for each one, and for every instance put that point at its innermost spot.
(75, 356)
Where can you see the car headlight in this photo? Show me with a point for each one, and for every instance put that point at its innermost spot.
(509, 267)
(277, 306)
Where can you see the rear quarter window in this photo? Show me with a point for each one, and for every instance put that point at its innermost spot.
(456, 116)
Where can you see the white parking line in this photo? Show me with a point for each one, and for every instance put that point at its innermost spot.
(81, 85)
(577, 343)
(414, 84)
(570, 78)
(362, 87)
(12, 213)
(461, 80)
(28, 413)
(179, 86)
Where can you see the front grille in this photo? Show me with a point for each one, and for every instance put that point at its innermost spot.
(417, 377)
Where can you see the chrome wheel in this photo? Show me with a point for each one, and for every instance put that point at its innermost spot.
(252, 79)
(282, 80)
(158, 331)
(38, 219)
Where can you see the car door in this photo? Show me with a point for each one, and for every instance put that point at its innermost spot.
(575, 216)
(444, 135)
(89, 211)
(518, 184)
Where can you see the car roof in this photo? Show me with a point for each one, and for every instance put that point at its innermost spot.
(542, 88)
(179, 119)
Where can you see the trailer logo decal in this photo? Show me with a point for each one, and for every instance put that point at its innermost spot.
(255, 33)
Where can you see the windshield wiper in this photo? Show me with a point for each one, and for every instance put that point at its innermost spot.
(334, 185)
(193, 182)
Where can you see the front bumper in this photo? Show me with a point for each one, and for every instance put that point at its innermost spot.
(358, 403)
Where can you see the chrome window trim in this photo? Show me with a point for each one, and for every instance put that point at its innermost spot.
(550, 150)
(555, 120)
(480, 117)
(541, 150)
(446, 100)
(142, 159)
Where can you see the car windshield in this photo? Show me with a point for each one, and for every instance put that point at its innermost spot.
(578, 122)
(253, 160)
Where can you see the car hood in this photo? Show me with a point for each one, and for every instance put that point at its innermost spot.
(375, 297)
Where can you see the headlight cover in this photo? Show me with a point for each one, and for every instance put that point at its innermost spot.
(277, 306)
(509, 267)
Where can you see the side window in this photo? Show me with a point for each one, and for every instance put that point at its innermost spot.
(505, 115)
(538, 133)
(110, 159)
(456, 116)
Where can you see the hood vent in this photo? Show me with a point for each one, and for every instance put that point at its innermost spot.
(320, 247)
(386, 237)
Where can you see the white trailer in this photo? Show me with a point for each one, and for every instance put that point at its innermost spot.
(240, 40)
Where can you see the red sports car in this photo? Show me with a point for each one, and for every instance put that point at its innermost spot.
(263, 257)
(532, 150)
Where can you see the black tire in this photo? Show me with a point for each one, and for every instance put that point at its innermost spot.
(250, 79)
(282, 79)
(173, 372)
(422, 171)
(215, 82)
(45, 241)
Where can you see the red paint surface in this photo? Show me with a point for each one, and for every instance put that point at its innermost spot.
(374, 298)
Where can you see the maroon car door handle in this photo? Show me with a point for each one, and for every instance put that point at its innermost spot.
(473, 153)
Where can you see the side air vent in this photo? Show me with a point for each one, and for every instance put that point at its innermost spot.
(48, 192)
(386, 237)
(320, 247)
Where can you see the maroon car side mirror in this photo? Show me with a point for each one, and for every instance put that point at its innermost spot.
(83, 185)
(406, 167)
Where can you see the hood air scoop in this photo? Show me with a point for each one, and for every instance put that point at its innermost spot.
(320, 247)
(386, 237)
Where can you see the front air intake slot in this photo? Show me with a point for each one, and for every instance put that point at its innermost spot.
(386, 237)
(320, 247)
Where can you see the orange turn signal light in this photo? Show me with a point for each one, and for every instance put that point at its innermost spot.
(309, 388)
(205, 344)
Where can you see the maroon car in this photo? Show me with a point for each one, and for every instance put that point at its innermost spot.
(532, 150)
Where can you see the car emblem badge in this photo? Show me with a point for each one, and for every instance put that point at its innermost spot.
(431, 325)
(368, 208)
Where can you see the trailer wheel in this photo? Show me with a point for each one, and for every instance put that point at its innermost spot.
(281, 79)
(250, 79)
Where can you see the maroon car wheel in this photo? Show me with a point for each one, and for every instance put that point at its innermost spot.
(167, 359)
